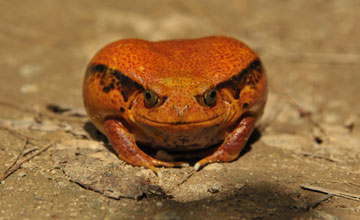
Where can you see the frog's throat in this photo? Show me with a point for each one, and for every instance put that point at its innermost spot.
(215, 120)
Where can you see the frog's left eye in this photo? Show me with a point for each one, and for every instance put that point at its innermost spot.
(151, 99)
(209, 98)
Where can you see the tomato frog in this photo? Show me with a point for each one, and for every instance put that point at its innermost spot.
(200, 98)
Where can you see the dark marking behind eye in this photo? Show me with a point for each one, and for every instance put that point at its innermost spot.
(249, 76)
(109, 87)
(98, 68)
(112, 79)
(245, 105)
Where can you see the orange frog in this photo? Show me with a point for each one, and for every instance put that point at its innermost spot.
(196, 97)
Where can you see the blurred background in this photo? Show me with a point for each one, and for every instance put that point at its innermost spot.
(46, 44)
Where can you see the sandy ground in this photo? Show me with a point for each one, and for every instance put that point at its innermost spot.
(309, 136)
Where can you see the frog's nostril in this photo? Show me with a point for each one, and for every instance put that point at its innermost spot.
(180, 110)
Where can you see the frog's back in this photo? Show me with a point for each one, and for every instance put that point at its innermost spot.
(144, 61)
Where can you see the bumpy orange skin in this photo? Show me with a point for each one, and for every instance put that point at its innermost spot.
(179, 72)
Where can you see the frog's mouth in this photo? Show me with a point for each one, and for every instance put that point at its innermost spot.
(216, 120)
(181, 135)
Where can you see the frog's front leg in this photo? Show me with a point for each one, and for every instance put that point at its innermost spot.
(125, 146)
(230, 149)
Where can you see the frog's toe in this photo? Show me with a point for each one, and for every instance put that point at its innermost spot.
(156, 171)
(183, 164)
(156, 162)
(210, 159)
(202, 163)
(197, 166)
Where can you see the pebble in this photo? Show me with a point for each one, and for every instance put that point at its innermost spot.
(30, 70)
(29, 88)
(239, 186)
(21, 174)
(159, 204)
(214, 189)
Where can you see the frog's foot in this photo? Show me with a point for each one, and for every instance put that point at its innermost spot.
(152, 163)
(125, 146)
(230, 149)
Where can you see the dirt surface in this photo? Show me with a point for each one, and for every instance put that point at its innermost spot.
(309, 135)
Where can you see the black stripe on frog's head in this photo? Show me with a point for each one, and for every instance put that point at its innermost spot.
(248, 76)
(112, 79)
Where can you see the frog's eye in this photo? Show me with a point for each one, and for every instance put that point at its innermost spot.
(209, 98)
(151, 99)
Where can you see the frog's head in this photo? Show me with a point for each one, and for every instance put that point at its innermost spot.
(179, 87)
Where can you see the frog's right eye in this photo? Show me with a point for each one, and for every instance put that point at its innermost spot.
(209, 97)
(151, 99)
